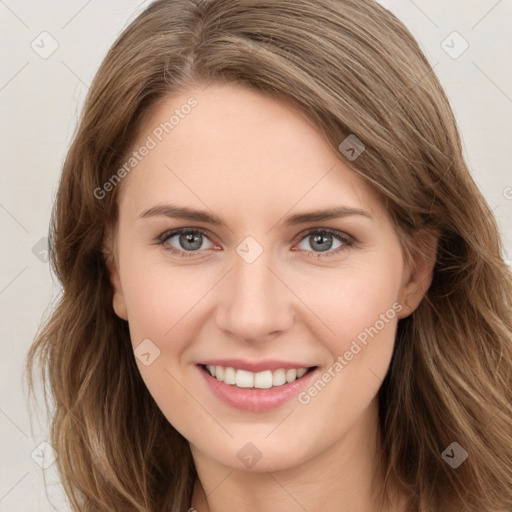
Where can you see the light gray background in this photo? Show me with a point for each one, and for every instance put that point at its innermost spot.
(39, 102)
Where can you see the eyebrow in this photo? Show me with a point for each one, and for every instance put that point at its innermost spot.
(210, 218)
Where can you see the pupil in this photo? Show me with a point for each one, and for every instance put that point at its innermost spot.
(190, 238)
(322, 240)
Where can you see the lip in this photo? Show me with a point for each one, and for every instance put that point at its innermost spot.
(255, 366)
(256, 400)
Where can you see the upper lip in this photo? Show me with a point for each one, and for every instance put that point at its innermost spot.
(254, 366)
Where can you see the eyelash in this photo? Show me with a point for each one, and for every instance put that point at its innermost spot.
(345, 239)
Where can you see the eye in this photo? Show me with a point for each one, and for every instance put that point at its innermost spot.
(189, 241)
(320, 242)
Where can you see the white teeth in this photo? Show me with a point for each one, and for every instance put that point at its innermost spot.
(244, 379)
(278, 377)
(260, 380)
(229, 375)
(263, 380)
(291, 375)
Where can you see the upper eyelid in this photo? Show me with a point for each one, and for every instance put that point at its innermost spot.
(339, 232)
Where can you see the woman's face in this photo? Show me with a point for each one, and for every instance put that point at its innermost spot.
(272, 286)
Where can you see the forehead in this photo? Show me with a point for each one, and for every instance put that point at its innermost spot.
(238, 149)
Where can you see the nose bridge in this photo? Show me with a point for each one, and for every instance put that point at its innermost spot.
(255, 303)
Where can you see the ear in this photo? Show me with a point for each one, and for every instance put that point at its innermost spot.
(111, 262)
(418, 272)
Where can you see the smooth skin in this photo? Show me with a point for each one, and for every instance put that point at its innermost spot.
(253, 162)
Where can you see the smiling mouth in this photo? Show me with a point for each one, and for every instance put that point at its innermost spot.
(266, 379)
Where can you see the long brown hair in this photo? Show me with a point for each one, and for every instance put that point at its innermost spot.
(353, 69)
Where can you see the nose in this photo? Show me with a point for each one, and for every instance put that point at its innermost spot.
(255, 304)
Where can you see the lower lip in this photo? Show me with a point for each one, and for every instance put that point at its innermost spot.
(256, 400)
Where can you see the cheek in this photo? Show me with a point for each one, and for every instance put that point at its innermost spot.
(162, 298)
(164, 306)
(358, 305)
(350, 299)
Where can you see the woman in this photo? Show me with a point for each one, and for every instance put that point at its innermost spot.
(281, 286)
